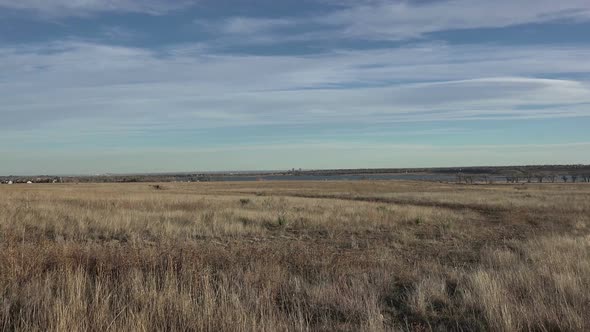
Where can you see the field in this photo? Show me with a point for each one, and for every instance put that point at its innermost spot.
(282, 256)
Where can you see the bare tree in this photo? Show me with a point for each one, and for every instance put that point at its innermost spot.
(552, 178)
(564, 178)
(540, 178)
(529, 177)
(574, 178)
(512, 179)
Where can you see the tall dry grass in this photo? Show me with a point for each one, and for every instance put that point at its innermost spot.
(289, 256)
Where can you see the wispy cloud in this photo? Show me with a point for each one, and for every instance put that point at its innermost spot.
(119, 33)
(248, 25)
(400, 20)
(60, 8)
(99, 86)
(404, 19)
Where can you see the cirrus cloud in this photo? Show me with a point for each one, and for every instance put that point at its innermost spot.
(401, 20)
(85, 7)
(69, 82)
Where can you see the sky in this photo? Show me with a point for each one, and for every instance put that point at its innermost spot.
(131, 86)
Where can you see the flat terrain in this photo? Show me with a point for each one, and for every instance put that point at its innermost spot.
(278, 256)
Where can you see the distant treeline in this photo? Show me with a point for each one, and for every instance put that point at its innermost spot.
(490, 170)
(511, 174)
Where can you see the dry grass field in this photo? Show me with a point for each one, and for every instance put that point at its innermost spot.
(293, 256)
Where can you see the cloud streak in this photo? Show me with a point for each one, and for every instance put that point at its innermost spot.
(394, 20)
(62, 8)
(72, 82)
(400, 20)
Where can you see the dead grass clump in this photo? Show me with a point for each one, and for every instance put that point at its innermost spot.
(543, 284)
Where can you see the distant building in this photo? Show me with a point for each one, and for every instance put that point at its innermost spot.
(10, 182)
(29, 182)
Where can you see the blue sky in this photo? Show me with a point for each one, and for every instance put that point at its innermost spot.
(91, 86)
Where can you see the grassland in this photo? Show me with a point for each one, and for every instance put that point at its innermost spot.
(282, 256)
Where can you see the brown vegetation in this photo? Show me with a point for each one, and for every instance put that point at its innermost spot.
(278, 256)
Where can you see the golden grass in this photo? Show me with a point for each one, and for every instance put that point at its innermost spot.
(293, 256)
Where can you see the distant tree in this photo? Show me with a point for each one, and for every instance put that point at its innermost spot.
(564, 178)
(574, 178)
(460, 177)
(529, 177)
(552, 178)
(540, 178)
